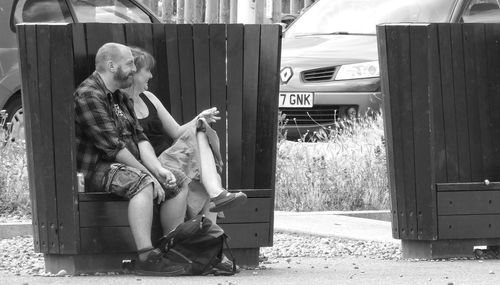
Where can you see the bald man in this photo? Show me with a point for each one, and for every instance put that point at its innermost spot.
(115, 156)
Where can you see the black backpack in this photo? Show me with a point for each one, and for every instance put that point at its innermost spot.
(198, 243)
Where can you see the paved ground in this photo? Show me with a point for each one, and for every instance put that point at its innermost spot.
(314, 271)
(310, 270)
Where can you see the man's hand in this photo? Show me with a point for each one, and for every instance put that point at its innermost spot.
(158, 191)
(210, 115)
(166, 177)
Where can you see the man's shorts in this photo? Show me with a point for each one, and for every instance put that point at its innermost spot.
(126, 181)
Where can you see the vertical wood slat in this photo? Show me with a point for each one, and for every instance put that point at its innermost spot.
(388, 124)
(27, 57)
(201, 49)
(492, 37)
(218, 85)
(161, 86)
(398, 64)
(448, 95)
(47, 173)
(267, 111)
(460, 104)
(174, 79)
(97, 35)
(251, 54)
(473, 124)
(426, 227)
(482, 98)
(186, 69)
(235, 104)
(61, 59)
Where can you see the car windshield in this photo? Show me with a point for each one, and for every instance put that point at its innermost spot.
(362, 16)
(106, 11)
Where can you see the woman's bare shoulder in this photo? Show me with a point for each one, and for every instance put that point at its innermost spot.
(152, 97)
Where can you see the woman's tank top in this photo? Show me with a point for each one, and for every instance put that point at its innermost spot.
(153, 128)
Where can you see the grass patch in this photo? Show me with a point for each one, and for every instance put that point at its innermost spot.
(14, 186)
(341, 168)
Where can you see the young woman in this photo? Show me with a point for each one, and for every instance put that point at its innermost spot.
(194, 150)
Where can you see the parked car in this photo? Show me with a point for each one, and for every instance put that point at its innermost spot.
(13, 12)
(329, 63)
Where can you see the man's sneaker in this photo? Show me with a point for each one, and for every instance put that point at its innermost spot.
(227, 200)
(225, 267)
(157, 265)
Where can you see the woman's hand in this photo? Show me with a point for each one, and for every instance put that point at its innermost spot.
(210, 115)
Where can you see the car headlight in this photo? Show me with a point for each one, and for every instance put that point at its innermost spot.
(358, 70)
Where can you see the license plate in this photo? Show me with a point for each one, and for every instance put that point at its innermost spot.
(296, 100)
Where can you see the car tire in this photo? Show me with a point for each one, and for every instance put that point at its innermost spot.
(15, 116)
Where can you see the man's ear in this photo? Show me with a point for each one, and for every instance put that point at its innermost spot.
(111, 66)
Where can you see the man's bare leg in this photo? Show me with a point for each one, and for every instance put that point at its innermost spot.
(140, 217)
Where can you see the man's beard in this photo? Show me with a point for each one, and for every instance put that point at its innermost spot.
(124, 80)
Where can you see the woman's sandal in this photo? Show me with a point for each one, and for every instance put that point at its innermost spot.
(227, 200)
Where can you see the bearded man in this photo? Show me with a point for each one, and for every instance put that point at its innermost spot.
(116, 157)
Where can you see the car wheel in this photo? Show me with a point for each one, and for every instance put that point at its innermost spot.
(16, 117)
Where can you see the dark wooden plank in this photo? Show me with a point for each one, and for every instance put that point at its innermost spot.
(235, 104)
(438, 148)
(186, 64)
(251, 54)
(469, 226)
(388, 124)
(81, 68)
(267, 106)
(267, 112)
(120, 239)
(473, 117)
(467, 186)
(464, 172)
(99, 34)
(160, 85)
(484, 103)
(426, 228)
(448, 96)
(248, 235)
(217, 34)
(468, 202)
(398, 48)
(26, 36)
(174, 80)
(492, 39)
(201, 45)
(61, 59)
(139, 35)
(46, 163)
(113, 213)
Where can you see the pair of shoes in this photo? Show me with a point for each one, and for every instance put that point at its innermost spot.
(156, 264)
(227, 200)
(225, 267)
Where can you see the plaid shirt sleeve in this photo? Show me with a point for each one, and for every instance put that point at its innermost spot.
(92, 112)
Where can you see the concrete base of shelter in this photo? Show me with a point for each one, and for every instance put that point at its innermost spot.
(114, 262)
(449, 248)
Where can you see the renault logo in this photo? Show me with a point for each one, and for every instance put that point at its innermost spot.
(285, 74)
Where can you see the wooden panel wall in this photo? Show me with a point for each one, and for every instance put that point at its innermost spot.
(232, 67)
(442, 87)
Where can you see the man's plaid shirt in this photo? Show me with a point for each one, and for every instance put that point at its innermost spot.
(98, 134)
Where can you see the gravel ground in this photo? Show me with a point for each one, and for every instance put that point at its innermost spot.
(19, 258)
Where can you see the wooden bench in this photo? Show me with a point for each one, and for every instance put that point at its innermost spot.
(441, 85)
(234, 67)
